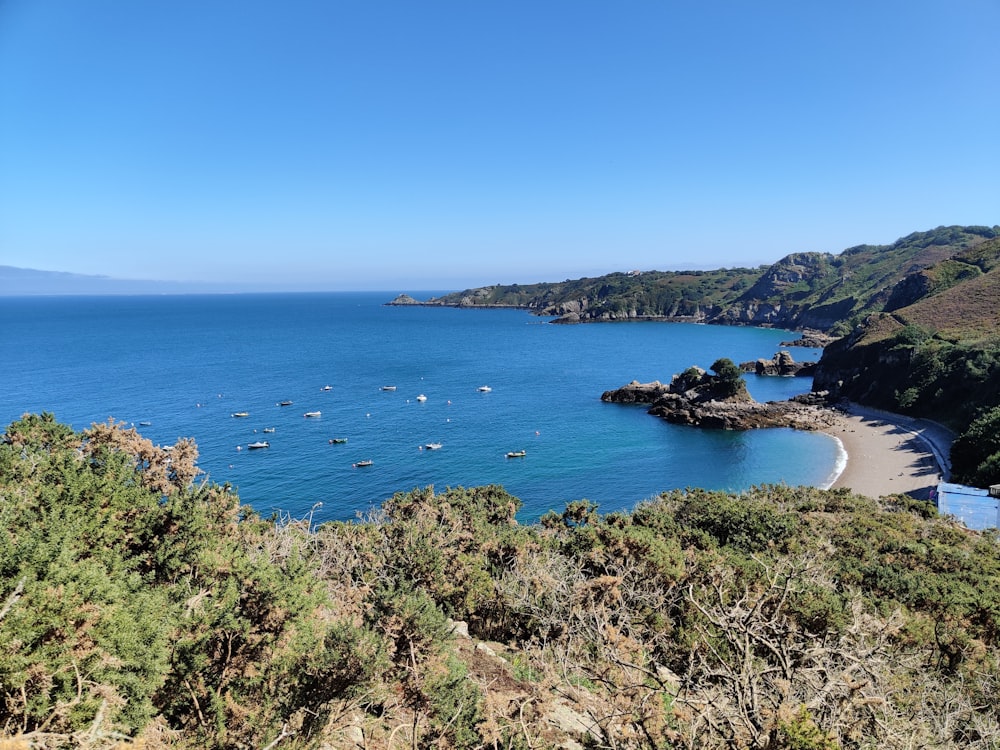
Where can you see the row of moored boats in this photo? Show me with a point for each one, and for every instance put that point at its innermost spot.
(259, 444)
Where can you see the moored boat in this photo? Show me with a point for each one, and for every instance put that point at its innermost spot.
(421, 397)
(259, 444)
(286, 402)
(517, 454)
(312, 414)
(388, 388)
(432, 446)
(359, 464)
(241, 414)
(484, 389)
(337, 441)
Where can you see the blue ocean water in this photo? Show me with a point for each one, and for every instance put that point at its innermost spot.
(185, 364)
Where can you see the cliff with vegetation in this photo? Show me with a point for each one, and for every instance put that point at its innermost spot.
(822, 291)
(140, 608)
(933, 351)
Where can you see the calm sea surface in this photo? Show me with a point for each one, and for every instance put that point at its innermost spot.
(185, 364)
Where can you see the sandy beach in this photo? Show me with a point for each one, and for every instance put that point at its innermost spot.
(890, 453)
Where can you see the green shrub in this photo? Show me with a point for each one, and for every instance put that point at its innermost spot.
(975, 454)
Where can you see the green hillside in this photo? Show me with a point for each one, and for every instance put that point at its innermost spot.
(139, 609)
(616, 296)
(803, 290)
(962, 300)
(937, 357)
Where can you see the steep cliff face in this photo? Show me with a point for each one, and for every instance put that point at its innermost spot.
(755, 313)
(793, 273)
(866, 366)
(908, 291)
(826, 315)
(579, 311)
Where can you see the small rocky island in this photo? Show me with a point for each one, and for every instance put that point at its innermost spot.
(698, 398)
(782, 364)
(404, 299)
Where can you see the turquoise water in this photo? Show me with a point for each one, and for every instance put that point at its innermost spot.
(184, 364)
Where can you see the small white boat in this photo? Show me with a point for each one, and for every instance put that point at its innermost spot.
(327, 388)
(388, 387)
(517, 454)
(312, 414)
(421, 397)
(268, 429)
(484, 389)
(432, 446)
(259, 444)
(241, 414)
(366, 462)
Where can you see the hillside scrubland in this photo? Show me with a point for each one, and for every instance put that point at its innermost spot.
(140, 607)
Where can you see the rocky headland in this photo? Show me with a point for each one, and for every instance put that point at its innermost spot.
(472, 298)
(405, 299)
(700, 399)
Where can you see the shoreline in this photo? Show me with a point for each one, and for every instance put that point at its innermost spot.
(882, 453)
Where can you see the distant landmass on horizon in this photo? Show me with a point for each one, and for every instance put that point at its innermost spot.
(29, 281)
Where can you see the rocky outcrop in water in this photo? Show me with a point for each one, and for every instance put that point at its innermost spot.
(693, 398)
(782, 364)
(405, 299)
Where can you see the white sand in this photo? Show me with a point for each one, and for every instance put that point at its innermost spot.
(890, 453)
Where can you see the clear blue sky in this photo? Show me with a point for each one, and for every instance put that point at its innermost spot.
(442, 144)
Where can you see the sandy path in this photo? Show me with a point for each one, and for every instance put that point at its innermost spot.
(890, 453)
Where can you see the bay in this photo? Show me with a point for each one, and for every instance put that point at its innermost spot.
(185, 363)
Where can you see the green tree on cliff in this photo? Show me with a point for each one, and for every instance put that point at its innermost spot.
(730, 379)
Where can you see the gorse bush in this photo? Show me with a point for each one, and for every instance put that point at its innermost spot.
(140, 608)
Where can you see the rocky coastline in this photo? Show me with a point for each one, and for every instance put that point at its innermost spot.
(697, 398)
(405, 300)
